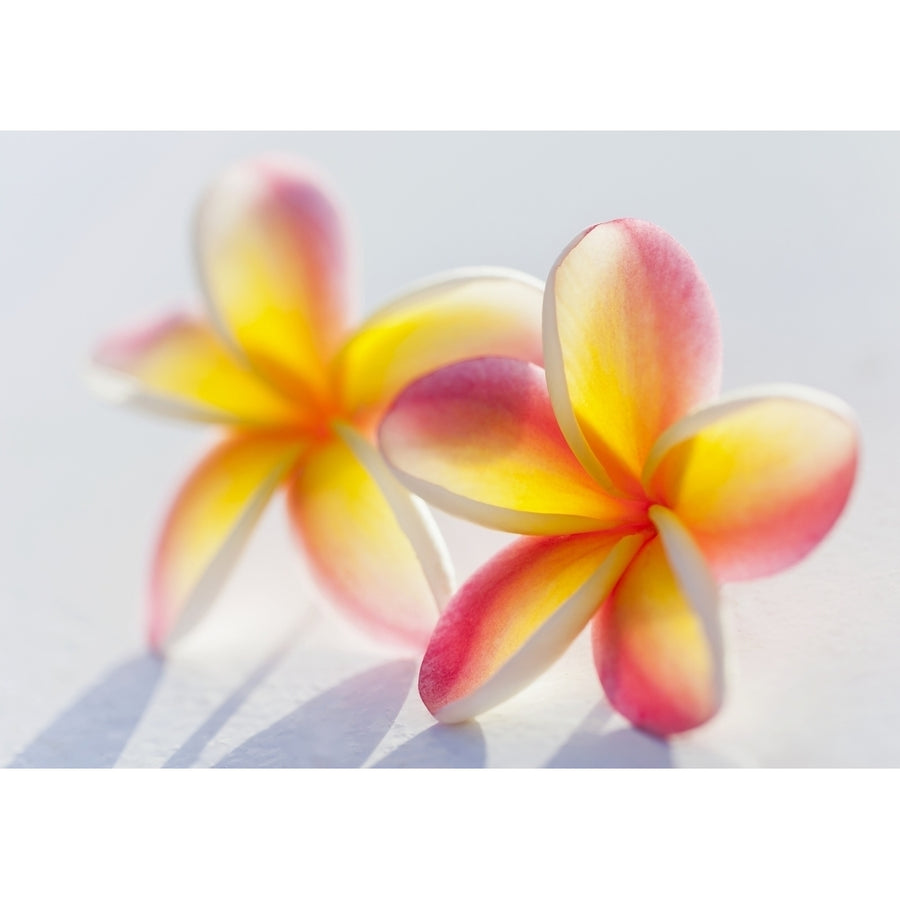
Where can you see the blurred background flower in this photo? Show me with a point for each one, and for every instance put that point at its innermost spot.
(277, 363)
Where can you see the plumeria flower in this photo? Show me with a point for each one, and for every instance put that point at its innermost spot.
(638, 492)
(299, 394)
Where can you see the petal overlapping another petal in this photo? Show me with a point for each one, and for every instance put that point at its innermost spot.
(631, 344)
(657, 639)
(271, 253)
(375, 547)
(207, 527)
(515, 616)
(759, 478)
(178, 367)
(454, 316)
(479, 439)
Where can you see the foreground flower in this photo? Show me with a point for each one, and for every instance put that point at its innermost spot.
(300, 396)
(638, 494)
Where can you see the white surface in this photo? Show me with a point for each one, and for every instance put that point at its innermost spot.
(798, 236)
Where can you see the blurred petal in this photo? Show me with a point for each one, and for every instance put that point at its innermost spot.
(271, 253)
(759, 478)
(207, 526)
(657, 640)
(515, 616)
(177, 367)
(479, 439)
(374, 546)
(455, 316)
(631, 343)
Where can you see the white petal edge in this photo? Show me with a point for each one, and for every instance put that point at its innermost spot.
(126, 390)
(734, 401)
(696, 582)
(216, 573)
(500, 518)
(435, 285)
(412, 516)
(557, 386)
(549, 642)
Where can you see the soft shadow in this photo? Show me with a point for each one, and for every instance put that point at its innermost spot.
(337, 729)
(627, 748)
(93, 731)
(440, 747)
(186, 755)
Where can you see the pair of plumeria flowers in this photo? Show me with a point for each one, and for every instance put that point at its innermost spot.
(580, 415)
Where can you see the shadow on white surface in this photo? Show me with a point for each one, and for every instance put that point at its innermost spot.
(93, 731)
(337, 729)
(441, 746)
(625, 748)
(186, 755)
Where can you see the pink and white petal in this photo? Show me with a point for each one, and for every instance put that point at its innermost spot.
(375, 548)
(207, 527)
(759, 478)
(454, 316)
(631, 343)
(515, 616)
(178, 367)
(479, 439)
(657, 640)
(271, 253)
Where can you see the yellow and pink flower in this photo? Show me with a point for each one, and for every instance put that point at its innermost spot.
(637, 490)
(299, 394)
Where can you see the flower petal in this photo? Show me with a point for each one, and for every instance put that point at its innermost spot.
(179, 368)
(657, 640)
(759, 478)
(631, 343)
(207, 526)
(376, 548)
(480, 440)
(270, 249)
(515, 616)
(454, 316)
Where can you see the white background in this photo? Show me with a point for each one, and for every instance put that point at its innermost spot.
(797, 235)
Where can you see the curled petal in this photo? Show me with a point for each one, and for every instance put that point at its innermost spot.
(515, 616)
(759, 478)
(455, 316)
(207, 527)
(178, 367)
(480, 440)
(375, 548)
(657, 640)
(270, 249)
(631, 343)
